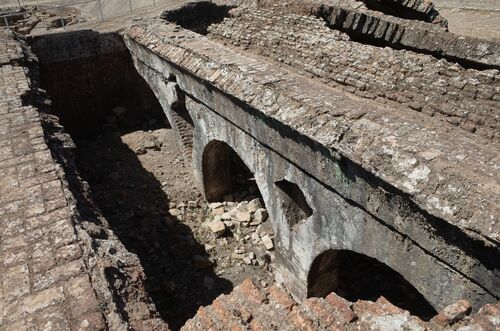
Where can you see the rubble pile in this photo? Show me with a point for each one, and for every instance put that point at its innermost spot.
(242, 229)
(191, 250)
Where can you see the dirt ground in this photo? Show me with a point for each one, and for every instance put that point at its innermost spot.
(139, 181)
(473, 23)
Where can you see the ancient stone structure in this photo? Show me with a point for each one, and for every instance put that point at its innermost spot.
(360, 167)
(373, 140)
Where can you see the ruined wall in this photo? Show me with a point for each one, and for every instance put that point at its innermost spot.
(88, 74)
(464, 97)
(377, 28)
(352, 209)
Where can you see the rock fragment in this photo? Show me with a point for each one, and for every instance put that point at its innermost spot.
(217, 227)
(268, 242)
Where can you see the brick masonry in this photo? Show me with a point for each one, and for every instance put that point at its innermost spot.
(55, 269)
(248, 307)
(362, 131)
(375, 27)
(258, 106)
(466, 98)
(44, 277)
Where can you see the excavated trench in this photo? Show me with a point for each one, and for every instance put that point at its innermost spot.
(128, 158)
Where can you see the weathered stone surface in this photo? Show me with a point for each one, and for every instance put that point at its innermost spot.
(414, 173)
(462, 97)
(402, 150)
(397, 32)
(453, 313)
(217, 227)
(381, 181)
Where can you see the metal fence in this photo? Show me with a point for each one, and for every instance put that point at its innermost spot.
(100, 16)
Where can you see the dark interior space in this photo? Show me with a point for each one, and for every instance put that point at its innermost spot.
(136, 207)
(294, 202)
(356, 276)
(101, 83)
(197, 16)
(225, 175)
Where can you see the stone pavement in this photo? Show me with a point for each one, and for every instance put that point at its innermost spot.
(250, 308)
(44, 280)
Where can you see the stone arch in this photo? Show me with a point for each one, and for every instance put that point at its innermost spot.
(293, 202)
(356, 276)
(225, 175)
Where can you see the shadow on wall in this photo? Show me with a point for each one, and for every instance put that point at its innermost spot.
(356, 276)
(397, 9)
(87, 74)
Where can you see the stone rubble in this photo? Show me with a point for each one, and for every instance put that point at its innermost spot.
(367, 133)
(242, 227)
(52, 261)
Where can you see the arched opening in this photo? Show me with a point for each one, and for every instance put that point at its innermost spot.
(225, 175)
(294, 202)
(356, 276)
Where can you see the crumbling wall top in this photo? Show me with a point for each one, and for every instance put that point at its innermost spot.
(446, 172)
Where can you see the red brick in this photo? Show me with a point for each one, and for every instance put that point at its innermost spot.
(319, 309)
(256, 325)
(388, 306)
(220, 312)
(342, 307)
(453, 313)
(280, 297)
(236, 327)
(299, 319)
(205, 320)
(250, 292)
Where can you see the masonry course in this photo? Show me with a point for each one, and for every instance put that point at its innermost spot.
(466, 98)
(374, 27)
(269, 86)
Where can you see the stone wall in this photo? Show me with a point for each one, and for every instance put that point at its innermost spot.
(464, 97)
(265, 114)
(60, 265)
(376, 28)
